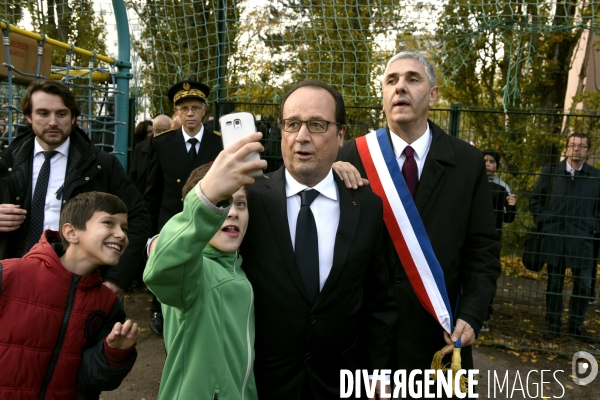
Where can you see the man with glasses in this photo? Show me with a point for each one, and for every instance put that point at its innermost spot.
(566, 207)
(313, 253)
(175, 153)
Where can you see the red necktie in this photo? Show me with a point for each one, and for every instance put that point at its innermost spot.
(410, 170)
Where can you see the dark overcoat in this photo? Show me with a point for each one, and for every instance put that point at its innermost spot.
(454, 202)
(567, 210)
(352, 323)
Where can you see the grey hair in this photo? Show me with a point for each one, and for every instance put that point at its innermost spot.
(429, 70)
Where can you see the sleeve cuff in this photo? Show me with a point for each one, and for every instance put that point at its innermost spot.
(116, 357)
(476, 325)
(221, 208)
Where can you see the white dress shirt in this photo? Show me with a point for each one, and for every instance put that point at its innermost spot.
(420, 146)
(571, 170)
(58, 169)
(325, 208)
(187, 137)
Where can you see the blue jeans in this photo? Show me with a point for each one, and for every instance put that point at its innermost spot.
(582, 280)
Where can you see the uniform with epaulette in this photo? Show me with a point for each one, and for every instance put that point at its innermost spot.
(171, 164)
(173, 159)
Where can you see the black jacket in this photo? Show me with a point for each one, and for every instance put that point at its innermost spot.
(351, 325)
(567, 210)
(170, 168)
(504, 211)
(454, 202)
(88, 169)
(140, 164)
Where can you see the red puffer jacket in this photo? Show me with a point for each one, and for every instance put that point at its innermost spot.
(51, 320)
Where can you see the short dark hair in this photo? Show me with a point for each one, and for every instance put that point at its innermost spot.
(492, 153)
(195, 177)
(340, 108)
(80, 209)
(580, 135)
(50, 87)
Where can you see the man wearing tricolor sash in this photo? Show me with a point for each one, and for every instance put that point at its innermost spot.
(441, 242)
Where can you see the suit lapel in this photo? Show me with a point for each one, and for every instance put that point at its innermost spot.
(440, 150)
(207, 147)
(179, 151)
(349, 216)
(275, 202)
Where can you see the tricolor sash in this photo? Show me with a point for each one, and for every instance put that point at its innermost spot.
(405, 226)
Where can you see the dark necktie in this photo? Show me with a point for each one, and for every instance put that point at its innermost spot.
(38, 204)
(410, 170)
(307, 245)
(192, 153)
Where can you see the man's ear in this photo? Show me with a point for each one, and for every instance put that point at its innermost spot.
(28, 117)
(70, 233)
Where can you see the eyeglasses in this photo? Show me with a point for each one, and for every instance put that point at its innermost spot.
(579, 146)
(186, 109)
(313, 125)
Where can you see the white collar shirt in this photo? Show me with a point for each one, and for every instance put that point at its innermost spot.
(326, 210)
(420, 146)
(187, 137)
(571, 170)
(58, 170)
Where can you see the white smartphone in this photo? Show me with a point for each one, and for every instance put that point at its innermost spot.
(235, 126)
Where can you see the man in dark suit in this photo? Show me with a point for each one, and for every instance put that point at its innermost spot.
(175, 153)
(565, 204)
(453, 200)
(323, 297)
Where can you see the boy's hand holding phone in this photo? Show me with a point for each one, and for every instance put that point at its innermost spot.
(229, 172)
(123, 336)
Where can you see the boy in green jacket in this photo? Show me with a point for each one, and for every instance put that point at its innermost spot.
(207, 302)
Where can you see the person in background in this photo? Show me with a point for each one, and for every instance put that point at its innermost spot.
(174, 154)
(565, 205)
(50, 163)
(503, 200)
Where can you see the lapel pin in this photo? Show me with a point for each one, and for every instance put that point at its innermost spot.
(353, 203)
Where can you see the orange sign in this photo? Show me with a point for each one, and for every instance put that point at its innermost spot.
(23, 56)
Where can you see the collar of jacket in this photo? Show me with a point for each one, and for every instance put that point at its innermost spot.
(226, 260)
(46, 251)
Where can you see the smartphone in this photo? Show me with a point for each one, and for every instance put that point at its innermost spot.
(235, 126)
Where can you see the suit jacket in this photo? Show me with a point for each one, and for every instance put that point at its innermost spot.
(568, 211)
(170, 168)
(454, 202)
(352, 323)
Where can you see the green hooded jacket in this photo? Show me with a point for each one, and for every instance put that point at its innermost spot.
(208, 308)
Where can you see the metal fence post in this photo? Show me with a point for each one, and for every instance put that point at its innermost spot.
(221, 59)
(123, 76)
(454, 125)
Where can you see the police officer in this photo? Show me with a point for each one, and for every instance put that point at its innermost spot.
(175, 153)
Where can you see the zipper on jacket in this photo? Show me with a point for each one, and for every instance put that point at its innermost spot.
(249, 366)
(61, 335)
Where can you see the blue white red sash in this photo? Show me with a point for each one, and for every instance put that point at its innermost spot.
(405, 226)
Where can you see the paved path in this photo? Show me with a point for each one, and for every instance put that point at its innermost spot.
(143, 381)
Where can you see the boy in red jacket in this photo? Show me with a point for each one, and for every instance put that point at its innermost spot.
(61, 330)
